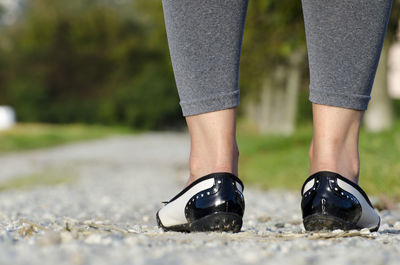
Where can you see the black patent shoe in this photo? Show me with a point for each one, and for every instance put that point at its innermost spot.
(330, 201)
(212, 203)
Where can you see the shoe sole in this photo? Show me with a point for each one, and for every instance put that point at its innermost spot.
(216, 222)
(320, 222)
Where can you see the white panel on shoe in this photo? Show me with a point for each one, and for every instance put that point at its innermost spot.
(308, 185)
(174, 212)
(239, 187)
(369, 218)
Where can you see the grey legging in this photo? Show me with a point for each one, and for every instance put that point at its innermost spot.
(344, 40)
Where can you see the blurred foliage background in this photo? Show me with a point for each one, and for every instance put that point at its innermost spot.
(106, 62)
(88, 61)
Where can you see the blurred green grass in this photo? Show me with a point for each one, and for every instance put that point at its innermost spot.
(282, 161)
(27, 136)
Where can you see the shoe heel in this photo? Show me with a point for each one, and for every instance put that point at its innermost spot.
(330, 201)
(213, 203)
(218, 222)
(328, 207)
(320, 222)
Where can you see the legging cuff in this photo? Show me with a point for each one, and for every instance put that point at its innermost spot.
(210, 104)
(353, 101)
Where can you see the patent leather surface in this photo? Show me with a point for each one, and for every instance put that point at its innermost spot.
(327, 198)
(224, 196)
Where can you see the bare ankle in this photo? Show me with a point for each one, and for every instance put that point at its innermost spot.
(339, 160)
(335, 141)
(213, 161)
(213, 143)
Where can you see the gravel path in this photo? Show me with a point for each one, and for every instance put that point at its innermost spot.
(105, 214)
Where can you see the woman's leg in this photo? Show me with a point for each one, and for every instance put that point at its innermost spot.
(335, 141)
(205, 38)
(213, 143)
(205, 43)
(344, 40)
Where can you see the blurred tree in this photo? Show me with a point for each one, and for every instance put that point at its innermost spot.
(2, 63)
(2, 11)
(272, 63)
(80, 60)
(107, 61)
(380, 114)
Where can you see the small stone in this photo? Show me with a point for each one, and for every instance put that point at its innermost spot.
(66, 236)
(146, 218)
(384, 227)
(250, 222)
(26, 230)
(144, 228)
(93, 239)
(135, 229)
(396, 225)
(365, 231)
(49, 238)
(263, 219)
(374, 234)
